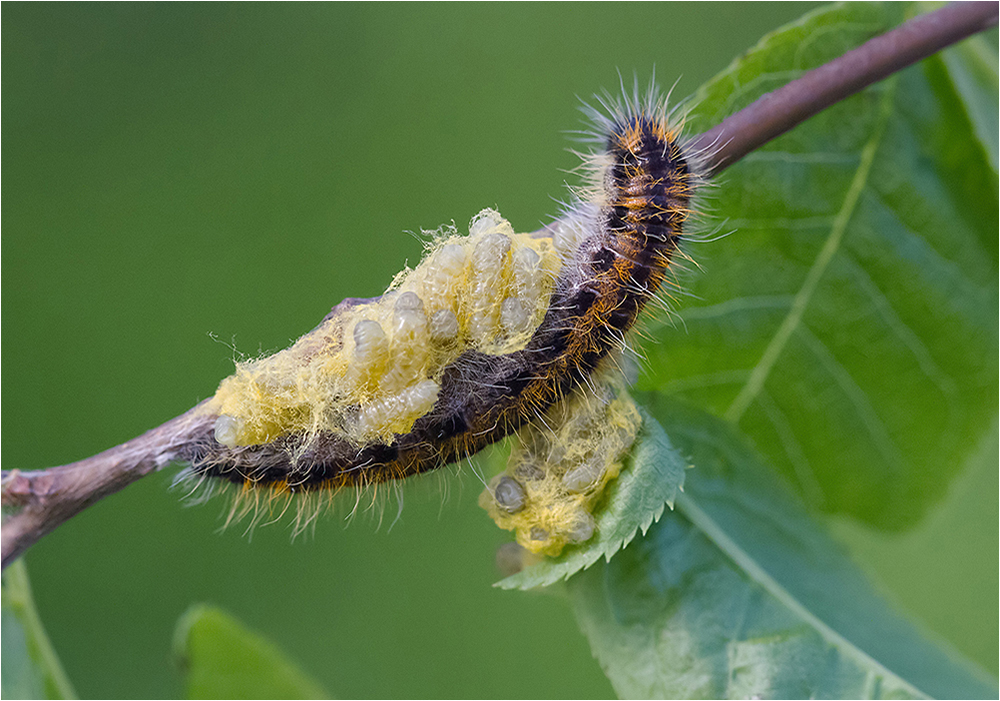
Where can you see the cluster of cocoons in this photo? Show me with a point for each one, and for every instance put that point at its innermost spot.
(370, 370)
(493, 333)
(560, 466)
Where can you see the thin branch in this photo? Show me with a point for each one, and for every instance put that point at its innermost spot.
(43, 499)
(39, 501)
(773, 114)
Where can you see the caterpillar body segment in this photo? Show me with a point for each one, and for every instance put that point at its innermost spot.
(494, 332)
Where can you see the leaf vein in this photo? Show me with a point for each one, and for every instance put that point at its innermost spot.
(901, 330)
(809, 286)
(743, 560)
(736, 304)
(708, 379)
(807, 157)
(803, 469)
(866, 412)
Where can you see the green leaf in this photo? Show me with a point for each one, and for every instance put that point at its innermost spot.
(653, 474)
(222, 659)
(972, 66)
(848, 324)
(31, 669)
(739, 594)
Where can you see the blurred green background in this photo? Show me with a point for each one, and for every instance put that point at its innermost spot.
(184, 179)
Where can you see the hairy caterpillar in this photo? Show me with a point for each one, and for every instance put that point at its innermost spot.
(492, 332)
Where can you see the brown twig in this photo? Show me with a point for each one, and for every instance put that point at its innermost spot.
(773, 114)
(41, 500)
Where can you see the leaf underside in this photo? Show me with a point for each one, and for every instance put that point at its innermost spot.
(741, 594)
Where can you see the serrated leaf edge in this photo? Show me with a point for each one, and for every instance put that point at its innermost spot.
(564, 570)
